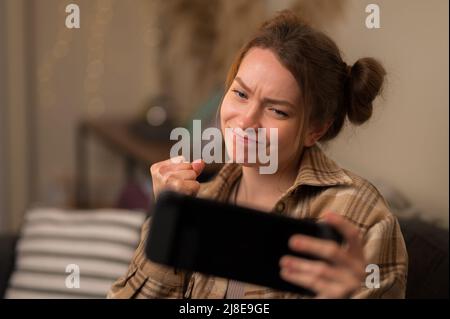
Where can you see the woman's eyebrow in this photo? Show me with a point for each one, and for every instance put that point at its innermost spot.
(278, 102)
(239, 80)
(265, 100)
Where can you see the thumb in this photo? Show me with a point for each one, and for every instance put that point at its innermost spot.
(198, 166)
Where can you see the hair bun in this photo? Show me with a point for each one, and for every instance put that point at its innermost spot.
(366, 78)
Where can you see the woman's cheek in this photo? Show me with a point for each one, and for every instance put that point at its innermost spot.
(225, 109)
(228, 113)
(287, 140)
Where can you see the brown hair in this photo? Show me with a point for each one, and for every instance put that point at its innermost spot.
(331, 90)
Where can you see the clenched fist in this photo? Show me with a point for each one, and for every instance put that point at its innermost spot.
(177, 175)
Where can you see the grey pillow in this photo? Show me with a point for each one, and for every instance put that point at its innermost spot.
(57, 244)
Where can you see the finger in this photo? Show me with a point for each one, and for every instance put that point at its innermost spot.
(323, 249)
(183, 186)
(318, 268)
(304, 280)
(198, 166)
(174, 167)
(339, 289)
(182, 174)
(178, 159)
(350, 232)
(321, 285)
(157, 166)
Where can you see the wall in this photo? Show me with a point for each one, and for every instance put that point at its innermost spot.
(103, 69)
(3, 165)
(15, 110)
(406, 142)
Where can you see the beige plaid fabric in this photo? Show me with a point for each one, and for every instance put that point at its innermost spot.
(321, 186)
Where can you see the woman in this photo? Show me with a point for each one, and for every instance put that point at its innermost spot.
(291, 77)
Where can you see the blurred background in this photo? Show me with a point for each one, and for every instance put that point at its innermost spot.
(79, 107)
(85, 111)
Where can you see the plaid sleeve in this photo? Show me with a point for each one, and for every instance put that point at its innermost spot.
(386, 254)
(145, 279)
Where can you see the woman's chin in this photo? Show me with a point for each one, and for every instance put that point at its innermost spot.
(254, 165)
(243, 161)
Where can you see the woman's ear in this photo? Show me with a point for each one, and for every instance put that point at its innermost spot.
(315, 132)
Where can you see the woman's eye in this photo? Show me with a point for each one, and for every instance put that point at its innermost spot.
(278, 112)
(240, 94)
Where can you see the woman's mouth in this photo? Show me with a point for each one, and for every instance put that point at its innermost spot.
(246, 136)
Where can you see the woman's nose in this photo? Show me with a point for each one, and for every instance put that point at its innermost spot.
(250, 118)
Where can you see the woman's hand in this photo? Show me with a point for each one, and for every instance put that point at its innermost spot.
(177, 175)
(342, 269)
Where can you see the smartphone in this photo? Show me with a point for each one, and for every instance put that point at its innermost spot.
(224, 240)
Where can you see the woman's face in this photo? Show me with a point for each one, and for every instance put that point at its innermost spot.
(264, 94)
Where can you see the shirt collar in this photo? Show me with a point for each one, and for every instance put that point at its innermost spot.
(316, 169)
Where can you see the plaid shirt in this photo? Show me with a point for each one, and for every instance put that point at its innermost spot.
(321, 186)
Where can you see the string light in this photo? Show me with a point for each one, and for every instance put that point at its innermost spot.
(94, 102)
(46, 97)
(151, 38)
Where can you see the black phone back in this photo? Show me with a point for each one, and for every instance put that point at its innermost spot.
(227, 241)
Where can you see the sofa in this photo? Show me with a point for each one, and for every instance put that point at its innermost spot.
(427, 246)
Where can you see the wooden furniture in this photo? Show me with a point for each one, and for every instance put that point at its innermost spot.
(137, 152)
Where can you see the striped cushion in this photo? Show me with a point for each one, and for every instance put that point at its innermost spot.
(100, 242)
